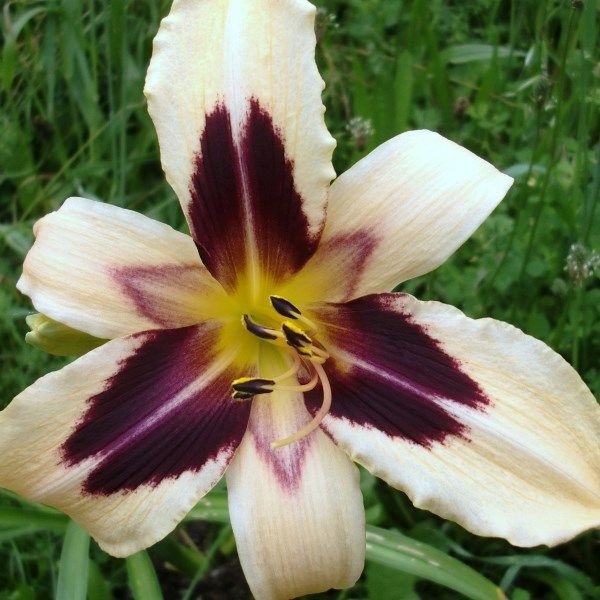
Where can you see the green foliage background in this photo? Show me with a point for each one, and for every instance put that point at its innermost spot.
(514, 81)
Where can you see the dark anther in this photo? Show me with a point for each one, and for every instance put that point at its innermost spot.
(284, 307)
(246, 387)
(259, 330)
(241, 396)
(295, 336)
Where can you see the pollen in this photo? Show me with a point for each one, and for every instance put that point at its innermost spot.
(295, 335)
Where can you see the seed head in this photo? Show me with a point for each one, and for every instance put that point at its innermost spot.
(581, 263)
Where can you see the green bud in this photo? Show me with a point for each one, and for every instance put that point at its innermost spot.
(58, 339)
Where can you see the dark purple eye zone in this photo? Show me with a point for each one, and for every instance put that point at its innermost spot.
(160, 415)
(397, 379)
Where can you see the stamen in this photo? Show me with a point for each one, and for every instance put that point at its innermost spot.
(284, 307)
(245, 387)
(291, 371)
(307, 322)
(294, 335)
(304, 387)
(319, 416)
(287, 309)
(314, 354)
(319, 352)
(265, 333)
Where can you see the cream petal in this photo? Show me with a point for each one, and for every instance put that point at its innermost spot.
(235, 95)
(399, 213)
(127, 438)
(473, 419)
(297, 511)
(111, 272)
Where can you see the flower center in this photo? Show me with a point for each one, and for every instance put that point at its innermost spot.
(292, 336)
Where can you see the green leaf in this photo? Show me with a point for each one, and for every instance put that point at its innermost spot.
(465, 53)
(31, 520)
(384, 583)
(9, 52)
(212, 508)
(143, 581)
(178, 556)
(74, 564)
(403, 87)
(98, 587)
(390, 549)
(402, 553)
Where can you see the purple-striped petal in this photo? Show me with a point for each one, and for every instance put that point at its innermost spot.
(418, 197)
(168, 295)
(387, 373)
(473, 419)
(245, 209)
(127, 438)
(235, 95)
(166, 411)
(297, 512)
(111, 272)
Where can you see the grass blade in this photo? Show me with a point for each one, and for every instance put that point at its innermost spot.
(74, 564)
(212, 508)
(392, 549)
(143, 581)
(33, 520)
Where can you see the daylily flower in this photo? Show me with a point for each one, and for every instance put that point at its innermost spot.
(265, 345)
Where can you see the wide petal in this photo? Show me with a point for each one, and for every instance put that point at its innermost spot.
(127, 438)
(399, 213)
(297, 511)
(235, 96)
(111, 272)
(473, 419)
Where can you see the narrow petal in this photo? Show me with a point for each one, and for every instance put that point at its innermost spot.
(235, 96)
(473, 419)
(297, 512)
(127, 438)
(111, 272)
(401, 212)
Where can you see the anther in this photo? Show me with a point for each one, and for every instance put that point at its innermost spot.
(241, 396)
(287, 309)
(246, 387)
(266, 333)
(295, 336)
(284, 307)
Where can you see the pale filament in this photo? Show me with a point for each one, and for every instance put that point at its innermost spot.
(319, 416)
(319, 352)
(308, 322)
(305, 387)
(291, 371)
